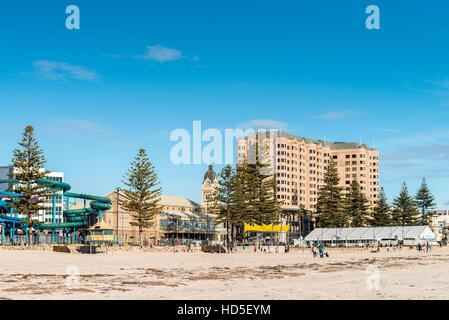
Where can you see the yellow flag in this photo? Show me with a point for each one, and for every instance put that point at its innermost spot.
(277, 228)
(257, 227)
(285, 228)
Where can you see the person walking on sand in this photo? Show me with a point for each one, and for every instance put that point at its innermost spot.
(320, 249)
(314, 251)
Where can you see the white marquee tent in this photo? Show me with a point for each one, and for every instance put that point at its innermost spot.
(374, 235)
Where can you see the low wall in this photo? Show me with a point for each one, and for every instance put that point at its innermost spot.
(76, 248)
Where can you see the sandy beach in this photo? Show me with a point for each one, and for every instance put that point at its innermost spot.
(404, 274)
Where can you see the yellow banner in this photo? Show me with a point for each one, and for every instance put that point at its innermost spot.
(267, 227)
(249, 227)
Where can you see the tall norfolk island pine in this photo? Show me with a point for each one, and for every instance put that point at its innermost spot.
(330, 200)
(143, 194)
(382, 211)
(28, 162)
(405, 212)
(356, 206)
(424, 201)
(224, 205)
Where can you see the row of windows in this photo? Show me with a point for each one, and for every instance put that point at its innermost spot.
(58, 210)
(50, 220)
(58, 179)
(180, 224)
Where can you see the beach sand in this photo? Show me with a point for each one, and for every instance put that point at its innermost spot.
(350, 274)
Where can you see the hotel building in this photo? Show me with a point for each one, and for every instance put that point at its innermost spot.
(300, 163)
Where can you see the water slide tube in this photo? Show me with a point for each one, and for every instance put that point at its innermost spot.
(74, 218)
(5, 204)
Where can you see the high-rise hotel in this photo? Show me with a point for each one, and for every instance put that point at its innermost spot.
(300, 163)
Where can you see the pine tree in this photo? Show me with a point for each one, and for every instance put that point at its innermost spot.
(256, 186)
(264, 186)
(243, 209)
(255, 189)
(223, 203)
(382, 211)
(424, 201)
(405, 212)
(356, 206)
(143, 194)
(28, 162)
(330, 200)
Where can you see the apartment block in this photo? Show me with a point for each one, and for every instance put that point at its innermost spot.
(300, 163)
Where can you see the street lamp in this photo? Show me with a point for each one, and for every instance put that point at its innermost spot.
(117, 193)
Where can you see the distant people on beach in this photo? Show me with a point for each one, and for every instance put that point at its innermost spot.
(314, 251)
(320, 250)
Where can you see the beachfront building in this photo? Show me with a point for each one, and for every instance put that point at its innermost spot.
(46, 215)
(5, 171)
(299, 165)
(439, 223)
(182, 220)
(384, 236)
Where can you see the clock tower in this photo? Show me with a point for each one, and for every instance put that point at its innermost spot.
(209, 187)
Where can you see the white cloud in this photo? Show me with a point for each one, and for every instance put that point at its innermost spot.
(161, 54)
(62, 71)
(75, 127)
(432, 136)
(388, 130)
(337, 114)
(263, 124)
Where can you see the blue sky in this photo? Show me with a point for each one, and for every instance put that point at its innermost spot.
(137, 70)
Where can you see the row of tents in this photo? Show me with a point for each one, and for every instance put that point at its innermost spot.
(407, 235)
